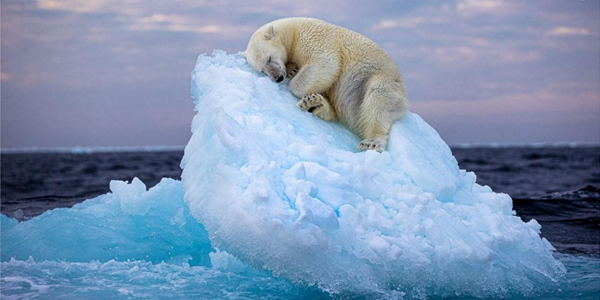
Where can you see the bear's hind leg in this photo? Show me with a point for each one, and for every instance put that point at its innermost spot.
(318, 105)
(384, 103)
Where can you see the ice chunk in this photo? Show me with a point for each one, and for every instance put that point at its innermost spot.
(128, 224)
(282, 190)
(226, 262)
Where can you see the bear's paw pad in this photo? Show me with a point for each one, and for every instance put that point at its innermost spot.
(311, 102)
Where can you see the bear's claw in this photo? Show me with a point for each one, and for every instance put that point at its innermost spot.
(310, 110)
(370, 144)
(292, 73)
(292, 70)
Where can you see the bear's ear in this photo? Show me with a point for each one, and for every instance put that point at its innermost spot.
(270, 33)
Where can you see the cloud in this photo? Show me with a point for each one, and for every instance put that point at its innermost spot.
(5, 76)
(549, 103)
(473, 7)
(177, 23)
(478, 54)
(481, 5)
(195, 17)
(540, 116)
(453, 54)
(80, 6)
(568, 31)
(403, 23)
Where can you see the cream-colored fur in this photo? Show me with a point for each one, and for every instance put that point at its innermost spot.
(337, 73)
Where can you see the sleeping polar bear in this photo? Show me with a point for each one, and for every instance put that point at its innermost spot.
(337, 73)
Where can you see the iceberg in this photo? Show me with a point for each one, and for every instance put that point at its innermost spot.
(284, 191)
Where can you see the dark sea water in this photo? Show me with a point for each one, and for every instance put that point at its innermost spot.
(557, 186)
(37, 182)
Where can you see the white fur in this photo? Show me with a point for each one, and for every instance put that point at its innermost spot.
(337, 73)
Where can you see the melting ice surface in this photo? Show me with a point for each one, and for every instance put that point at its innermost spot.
(275, 202)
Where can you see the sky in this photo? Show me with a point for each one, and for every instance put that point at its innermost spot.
(107, 73)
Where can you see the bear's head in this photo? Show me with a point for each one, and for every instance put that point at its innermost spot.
(266, 53)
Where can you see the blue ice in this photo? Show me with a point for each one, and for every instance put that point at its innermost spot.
(276, 202)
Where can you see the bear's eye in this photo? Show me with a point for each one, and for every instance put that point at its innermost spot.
(269, 60)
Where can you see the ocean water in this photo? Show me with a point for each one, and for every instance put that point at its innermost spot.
(557, 186)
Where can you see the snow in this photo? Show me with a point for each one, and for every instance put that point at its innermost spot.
(284, 191)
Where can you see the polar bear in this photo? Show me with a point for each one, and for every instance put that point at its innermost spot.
(338, 74)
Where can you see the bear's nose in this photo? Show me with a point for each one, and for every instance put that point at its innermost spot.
(280, 79)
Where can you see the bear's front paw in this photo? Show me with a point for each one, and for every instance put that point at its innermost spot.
(311, 102)
(371, 144)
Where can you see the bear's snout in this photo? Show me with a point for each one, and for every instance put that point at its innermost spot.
(280, 79)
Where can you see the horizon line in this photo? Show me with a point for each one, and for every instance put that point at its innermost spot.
(106, 149)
